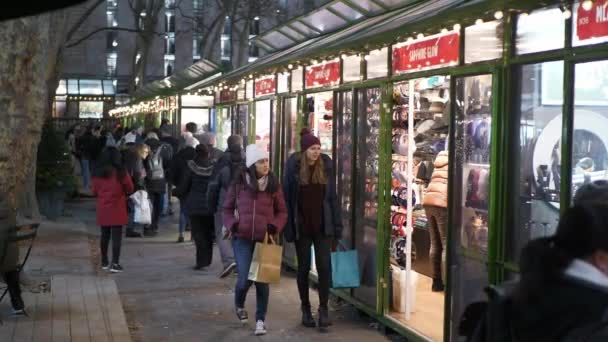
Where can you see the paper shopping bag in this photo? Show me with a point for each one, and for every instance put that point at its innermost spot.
(345, 268)
(266, 261)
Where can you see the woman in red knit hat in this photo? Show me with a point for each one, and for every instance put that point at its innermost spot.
(314, 219)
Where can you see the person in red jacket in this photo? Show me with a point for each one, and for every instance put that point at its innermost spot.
(111, 185)
(254, 206)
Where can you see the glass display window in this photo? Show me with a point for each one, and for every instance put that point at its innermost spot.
(483, 41)
(200, 116)
(541, 30)
(589, 23)
(283, 82)
(367, 159)
(351, 68)
(223, 128)
(290, 109)
(536, 209)
(319, 118)
(590, 140)
(419, 208)
(297, 79)
(241, 122)
(344, 162)
(263, 116)
(377, 63)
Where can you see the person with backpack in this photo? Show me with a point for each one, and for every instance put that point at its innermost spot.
(562, 294)
(227, 170)
(314, 219)
(254, 207)
(179, 168)
(156, 166)
(112, 185)
(194, 188)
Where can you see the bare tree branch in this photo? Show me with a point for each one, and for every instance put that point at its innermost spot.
(82, 19)
(108, 29)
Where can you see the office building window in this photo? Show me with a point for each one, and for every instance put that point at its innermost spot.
(111, 41)
(170, 21)
(170, 45)
(197, 46)
(197, 6)
(111, 64)
(112, 4)
(169, 66)
(226, 42)
(111, 16)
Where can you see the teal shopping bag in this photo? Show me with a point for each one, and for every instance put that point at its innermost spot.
(345, 268)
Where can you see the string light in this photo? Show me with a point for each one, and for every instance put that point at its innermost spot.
(567, 14)
(498, 15)
(444, 30)
(290, 66)
(587, 5)
(479, 21)
(420, 36)
(456, 27)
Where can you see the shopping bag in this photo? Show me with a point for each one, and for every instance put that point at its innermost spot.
(142, 207)
(266, 261)
(345, 268)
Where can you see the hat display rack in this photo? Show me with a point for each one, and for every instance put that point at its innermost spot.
(475, 143)
(370, 102)
(431, 115)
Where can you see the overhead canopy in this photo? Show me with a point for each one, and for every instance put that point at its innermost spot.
(180, 80)
(333, 16)
(351, 37)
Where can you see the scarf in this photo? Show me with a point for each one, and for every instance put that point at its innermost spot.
(262, 182)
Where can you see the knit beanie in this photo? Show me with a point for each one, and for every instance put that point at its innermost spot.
(307, 139)
(253, 153)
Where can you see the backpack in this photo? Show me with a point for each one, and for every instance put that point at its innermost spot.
(155, 165)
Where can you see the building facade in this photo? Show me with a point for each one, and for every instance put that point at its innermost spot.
(104, 65)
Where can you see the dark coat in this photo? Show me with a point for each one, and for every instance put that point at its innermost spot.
(135, 168)
(179, 165)
(111, 199)
(157, 185)
(256, 210)
(194, 187)
(566, 305)
(332, 215)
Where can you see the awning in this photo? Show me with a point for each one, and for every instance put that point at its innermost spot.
(333, 16)
(352, 37)
(180, 80)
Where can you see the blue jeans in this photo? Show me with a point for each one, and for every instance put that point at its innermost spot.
(183, 217)
(86, 174)
(243, 252)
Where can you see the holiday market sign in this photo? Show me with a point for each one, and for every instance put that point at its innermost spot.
(592, 23)
(427, 53)
(265, 86)
(323, 74)
(227, 95)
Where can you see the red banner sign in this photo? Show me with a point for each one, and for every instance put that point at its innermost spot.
(227, 95)
(323, 74)
(592, 23)
(427, 53)
(265, 86)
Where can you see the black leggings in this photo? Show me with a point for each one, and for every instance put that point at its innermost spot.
(14, 288)
(203, 233)
(322, 245)
(114, 232)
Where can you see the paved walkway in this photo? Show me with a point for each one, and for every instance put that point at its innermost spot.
(165, 300)
(65, 299)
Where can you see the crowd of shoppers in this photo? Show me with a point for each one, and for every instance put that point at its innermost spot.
(232, 198)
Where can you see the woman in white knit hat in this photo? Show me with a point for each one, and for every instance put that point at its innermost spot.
(254, 206)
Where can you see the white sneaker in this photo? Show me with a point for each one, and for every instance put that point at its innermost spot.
(260, 328)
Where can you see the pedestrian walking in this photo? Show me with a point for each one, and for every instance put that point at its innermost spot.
(179, 168)
(134, 156)
(314, 220)
(111, 185)
(194, 188)
(166, 136)
(227, 170)
(187, 138)
(215, 154)
(254, 206)
(157, 164)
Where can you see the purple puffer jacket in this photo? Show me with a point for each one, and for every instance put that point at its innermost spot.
(255, 211)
